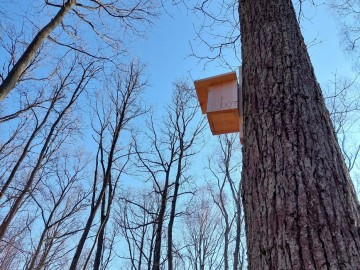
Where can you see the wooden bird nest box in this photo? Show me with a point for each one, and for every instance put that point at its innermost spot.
(220, 99)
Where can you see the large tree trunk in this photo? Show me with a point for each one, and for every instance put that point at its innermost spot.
(300, 207)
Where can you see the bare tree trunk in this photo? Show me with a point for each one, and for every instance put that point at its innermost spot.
(220, 202)
(159, 225)
(301, 210)
(239, 220)
(125, 110)
(226, 244)
(151, 249)
(26, 149)
(170, 228)
(100, 241)
(45, 254)
(170, 148)
(105, 213)
(88, 225)
(48, 140)
(173, 208)
(15, 207)
(37, 251)
(17, 71)
(236, 194)
(141, 248)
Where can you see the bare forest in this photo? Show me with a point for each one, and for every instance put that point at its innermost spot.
(96, 175)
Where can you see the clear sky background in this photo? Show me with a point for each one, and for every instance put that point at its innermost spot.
(166, 50)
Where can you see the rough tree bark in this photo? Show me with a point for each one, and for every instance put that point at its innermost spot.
(300, 207)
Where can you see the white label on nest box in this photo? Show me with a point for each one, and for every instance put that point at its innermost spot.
(222, 97)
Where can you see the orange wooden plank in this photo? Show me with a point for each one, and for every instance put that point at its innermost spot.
(202, 86)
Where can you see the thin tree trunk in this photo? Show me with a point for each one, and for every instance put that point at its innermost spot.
(87, 228)
(159, 223)
(106, 181)
(225, 217)
(301, 210)
(17, 71)
(226, 245)
(238, 229)
(170, 227)
(37, 251)
(49, 138)
(173, 207)
(45, 254)
(25, 150)
(151, 249)
(15, 207)
(100, 242)
(105, 213)
(141, 249)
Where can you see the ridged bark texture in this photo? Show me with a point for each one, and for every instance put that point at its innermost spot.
(301, 210)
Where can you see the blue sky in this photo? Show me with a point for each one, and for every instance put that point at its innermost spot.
(327, 55)
(166, 50)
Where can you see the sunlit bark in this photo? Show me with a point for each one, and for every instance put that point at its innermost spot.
(301, 211)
